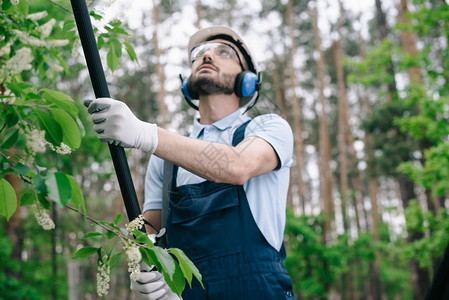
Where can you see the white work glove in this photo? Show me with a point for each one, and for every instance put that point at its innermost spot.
(116, 124)
(151, 284)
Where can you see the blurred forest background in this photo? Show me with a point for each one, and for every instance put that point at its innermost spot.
(365, 94)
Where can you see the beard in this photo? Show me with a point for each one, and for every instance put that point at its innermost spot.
(207, 85)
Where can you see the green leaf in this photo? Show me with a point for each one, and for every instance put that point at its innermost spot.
(51, 95)
(70, 132)
(115, 259)
(6, 4)
(59, 188)
(178, 283)
(100, 42)
(43, 201)
(61, 100)
(8, 199)
(187, 266)
(142, 238)
(118, 219)
(10, 139)
(27, 198)
(114, 54)
(110, 235)
(85, 252)
(166, 261)
(130, 50)
(11, 119)
(95, 15)
(77, 196)
(21, 169)
(23, 7)
(149, 257)
(39, 184)
(53, 131)
(92, 234)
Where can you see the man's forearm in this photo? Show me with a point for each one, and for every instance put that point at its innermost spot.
(154, 217)
(213, 161)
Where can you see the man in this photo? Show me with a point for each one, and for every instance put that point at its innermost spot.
(228, 195)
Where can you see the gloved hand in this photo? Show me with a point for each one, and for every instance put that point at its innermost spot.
(151, 286)
(116, 124)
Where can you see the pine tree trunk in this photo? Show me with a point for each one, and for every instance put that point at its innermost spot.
(342, 125)
(383, 33)
(297, 131)
(375, 282)
(281, 105)
(324, 142)
(162, 120)
(420, 276)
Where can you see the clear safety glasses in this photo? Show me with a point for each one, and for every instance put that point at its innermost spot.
(218, 49)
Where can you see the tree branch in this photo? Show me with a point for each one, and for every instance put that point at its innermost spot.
(90, 219)
(60, 6)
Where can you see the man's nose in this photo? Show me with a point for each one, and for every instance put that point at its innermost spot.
(207, 56)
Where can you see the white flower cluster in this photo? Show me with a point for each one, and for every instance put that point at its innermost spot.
(28, 39)
(76, 48)
(134, 258)
(46, 28)
(8, 97)
(37, 16)
(19, 62)
(6, 49)
(43, 219)
(103, 278)
(62, 149)
(14, 2)
(135, 224)
(53, 67)
(58, 43)
(35, 141)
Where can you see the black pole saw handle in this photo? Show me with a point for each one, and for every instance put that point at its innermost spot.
(100, 86)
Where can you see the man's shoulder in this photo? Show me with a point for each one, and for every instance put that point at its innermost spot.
(264, 121)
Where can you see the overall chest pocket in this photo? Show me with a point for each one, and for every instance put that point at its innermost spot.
(205, 222)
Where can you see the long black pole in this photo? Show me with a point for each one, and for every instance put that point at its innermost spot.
(100, 86)
(439, 290)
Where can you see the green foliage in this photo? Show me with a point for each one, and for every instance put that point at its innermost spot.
(175, 271)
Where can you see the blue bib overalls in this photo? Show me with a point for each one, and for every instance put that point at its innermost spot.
(213, 224)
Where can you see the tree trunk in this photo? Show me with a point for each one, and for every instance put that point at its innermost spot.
(343, 128)
(279, 97)
(324, 142)
(375, 282)
(408, 42)
(297, 131)
(420, 276)
(162, 120)
(383, 34)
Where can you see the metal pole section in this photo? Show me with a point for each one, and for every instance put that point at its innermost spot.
(100, 86)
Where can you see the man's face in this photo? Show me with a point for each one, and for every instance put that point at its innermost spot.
(214, 68)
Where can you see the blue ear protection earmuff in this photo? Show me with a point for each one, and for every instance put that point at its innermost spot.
(246, 84)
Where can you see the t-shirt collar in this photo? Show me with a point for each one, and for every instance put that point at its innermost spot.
(233, 119)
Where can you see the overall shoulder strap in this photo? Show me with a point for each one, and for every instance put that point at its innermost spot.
(239, 134)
